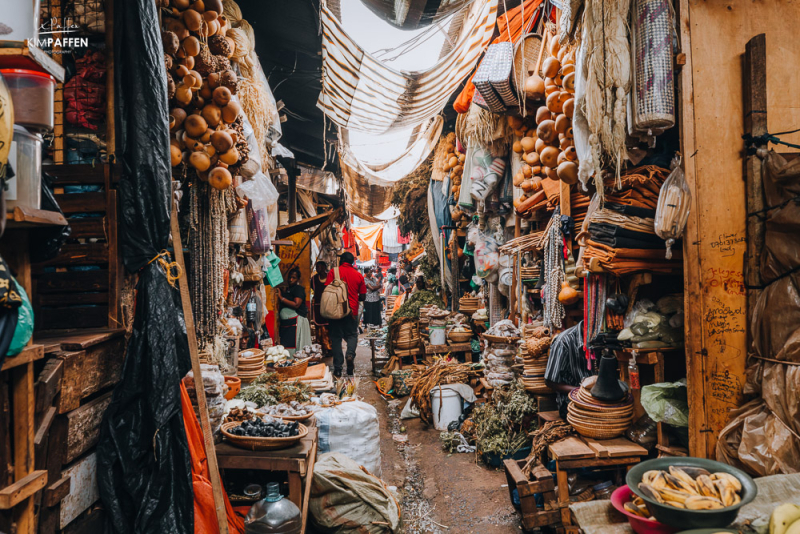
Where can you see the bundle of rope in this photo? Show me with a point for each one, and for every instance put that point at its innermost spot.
(551, 432)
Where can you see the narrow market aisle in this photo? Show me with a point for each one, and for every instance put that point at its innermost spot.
(438, 490)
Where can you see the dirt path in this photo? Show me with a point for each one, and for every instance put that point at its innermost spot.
(441, 493)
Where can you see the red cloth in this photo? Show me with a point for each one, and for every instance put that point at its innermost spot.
(403, 239)
(205, 519)
(515, 26)
(355, 284)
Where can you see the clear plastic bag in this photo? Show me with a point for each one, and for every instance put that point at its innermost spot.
(487, 255)
(674, 202)
(485, 172)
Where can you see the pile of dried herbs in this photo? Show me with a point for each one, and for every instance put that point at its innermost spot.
(268, 390)
(502, 425)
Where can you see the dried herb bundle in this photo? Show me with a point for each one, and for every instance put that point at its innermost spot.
(502, 426)
(268, 390)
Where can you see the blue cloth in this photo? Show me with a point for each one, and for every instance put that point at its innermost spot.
(441, 210)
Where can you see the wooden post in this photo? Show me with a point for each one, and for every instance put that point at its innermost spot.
(291, 196)
(755, 123)
(24, 430)
(208, 438)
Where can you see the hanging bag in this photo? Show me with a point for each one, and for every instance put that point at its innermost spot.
(334, 303)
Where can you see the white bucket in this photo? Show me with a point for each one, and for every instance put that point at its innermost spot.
(438, 335)
(446, 406)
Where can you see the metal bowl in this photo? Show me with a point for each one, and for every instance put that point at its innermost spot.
(688, 519)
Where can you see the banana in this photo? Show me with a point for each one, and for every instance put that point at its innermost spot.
(638, 501)
(669, 494)
(794, 528)
(681, 474)
(648, 476)
(697, 502)
(737, 485)
(650, 492)
(726, 493)
(782, 517)
(694, 472)
(706, 487)
(679, 484)
(676, 504)
(660, 481)
(635, 510)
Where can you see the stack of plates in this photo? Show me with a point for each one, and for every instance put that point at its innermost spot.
(468, 304)
(598, 419)
(251, 364)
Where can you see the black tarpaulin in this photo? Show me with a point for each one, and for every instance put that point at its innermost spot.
(144, 470)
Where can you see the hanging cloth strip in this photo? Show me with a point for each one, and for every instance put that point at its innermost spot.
(361, 93)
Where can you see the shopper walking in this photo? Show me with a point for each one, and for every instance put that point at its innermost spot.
(372, 304)
(346, 328)
(321, 323)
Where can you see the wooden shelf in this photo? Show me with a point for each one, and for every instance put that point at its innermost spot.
(17, 492)
(33, 218)
(29, 354)
(30, 57)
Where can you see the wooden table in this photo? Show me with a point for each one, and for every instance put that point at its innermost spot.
(295, 461)
(577, 452)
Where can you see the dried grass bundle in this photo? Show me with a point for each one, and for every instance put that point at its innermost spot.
(485, 128)
(606, 64)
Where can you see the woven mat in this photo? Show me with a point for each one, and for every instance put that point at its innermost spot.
(316, 372)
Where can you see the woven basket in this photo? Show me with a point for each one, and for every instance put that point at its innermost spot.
(261, 444)
(459, 337)
(406, 344)
(500, 339)
(298, 369)
(526, 52)
(596, 433)
(299, 418)
(237, 228)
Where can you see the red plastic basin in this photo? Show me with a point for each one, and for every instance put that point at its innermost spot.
(640, 525)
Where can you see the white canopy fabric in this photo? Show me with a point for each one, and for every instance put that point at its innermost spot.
(361, 93)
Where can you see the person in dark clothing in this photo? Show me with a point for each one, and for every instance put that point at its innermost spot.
(318, 286)
(372, 304)
(295, 332)
(566, 367)
(346, 328)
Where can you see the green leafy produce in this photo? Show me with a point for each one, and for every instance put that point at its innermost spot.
(268, 390)
(502, 425)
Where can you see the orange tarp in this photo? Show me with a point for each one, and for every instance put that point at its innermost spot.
(370, 236)
(205, 519)
(514, 26)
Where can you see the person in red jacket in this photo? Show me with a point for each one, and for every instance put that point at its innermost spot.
(346, 328)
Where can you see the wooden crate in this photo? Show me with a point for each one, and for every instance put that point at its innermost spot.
(540, 482)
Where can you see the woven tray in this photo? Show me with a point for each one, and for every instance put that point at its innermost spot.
(261, 444)
(299, 418)
(298, 369)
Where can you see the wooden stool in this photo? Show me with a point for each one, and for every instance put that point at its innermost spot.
(541, 481)
(580, 452)
(377, 363)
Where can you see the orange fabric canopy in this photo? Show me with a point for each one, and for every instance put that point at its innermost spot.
(514, 27)
(370, 236)
(205, 518)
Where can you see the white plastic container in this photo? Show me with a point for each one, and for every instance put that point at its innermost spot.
(25, 189)
(438, 335)
(446, 406)
(20, 23)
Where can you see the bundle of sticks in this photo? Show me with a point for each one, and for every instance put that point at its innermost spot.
(551, 432)
(525, 243)
(422, 381)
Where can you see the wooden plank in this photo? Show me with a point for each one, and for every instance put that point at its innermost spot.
(307, 493)
(717, 224)
(82, 202)
(83, 489)
(72, 282)
(599, 450)
(6, 476)
(55, 492)
(83, 173)
(86, 228)
(71, 299)
(115, 269)
(88, 371)
(42, 431)
(77, 254)
(755, 124)
(30, 57)
(288, 230)
(619, 447)
(205, 424)
(23, 428)
(24, 217)
(599, 463)
(70, 397)
(22, 489)
(83, 426)
(85, 339)
(31, 353)
(72, 317)
(89, 522)
(570, 448)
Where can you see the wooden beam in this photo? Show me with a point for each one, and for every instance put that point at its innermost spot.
(23, 427)
(20, 490)
(293, 228)
(31, 353)
(754, 80)
(205, 423)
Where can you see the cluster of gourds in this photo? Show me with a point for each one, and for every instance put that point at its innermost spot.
(454, 164)
(204, 132)
(546, 141)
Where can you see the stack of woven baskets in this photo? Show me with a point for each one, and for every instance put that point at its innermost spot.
(537, 344)
(597, 419)
(407, 336)
(469, 304)
(251, 365)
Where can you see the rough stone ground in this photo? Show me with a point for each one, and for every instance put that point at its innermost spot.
(441, 493)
